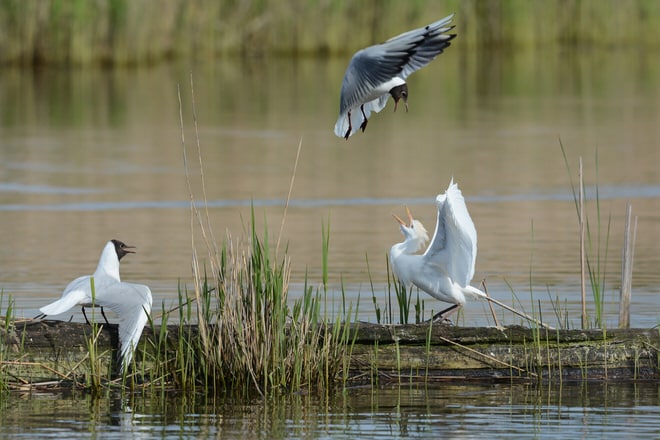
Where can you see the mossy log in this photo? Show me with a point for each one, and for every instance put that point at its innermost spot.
(420, 352)
(55, 351)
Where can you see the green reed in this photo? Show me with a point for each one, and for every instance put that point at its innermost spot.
(559, 310)
(239, 332)
(94, 374)
(403, 296)
(251, 339)
(171, 356)
(7, 328)
(377, 310)
(594, 244)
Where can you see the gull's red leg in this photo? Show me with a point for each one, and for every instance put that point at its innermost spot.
(350, 127)
(364, 123)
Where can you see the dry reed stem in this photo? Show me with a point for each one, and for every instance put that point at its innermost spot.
(288, 198)
(490, 304)
(519, 313)
(156, 316)
(16, 321)
(583, 268)
(491, 358)
(194, 213)
(202, 180)
(627, 269)
(28, 386)
(40, 365)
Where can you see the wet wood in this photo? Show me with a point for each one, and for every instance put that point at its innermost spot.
(54, 350)
(512, 353)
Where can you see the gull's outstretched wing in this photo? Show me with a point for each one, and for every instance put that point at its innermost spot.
(65, 303)
(415, 49)
(78, 292)
(132, 304)
(373, 71)
(454, 243)
(400, 56)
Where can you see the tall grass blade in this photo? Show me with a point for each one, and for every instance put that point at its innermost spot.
(288, 198)
(591, 244)
(377, 309)
(583, 288)
(627, 269)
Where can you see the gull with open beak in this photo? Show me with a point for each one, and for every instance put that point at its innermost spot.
(131, 302)
(446, 268)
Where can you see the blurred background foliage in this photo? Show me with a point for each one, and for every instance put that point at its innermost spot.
(118, 32)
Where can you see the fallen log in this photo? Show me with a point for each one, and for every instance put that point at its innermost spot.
(44, 351)
(418, 352)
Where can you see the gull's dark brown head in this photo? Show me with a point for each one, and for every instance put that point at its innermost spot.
(122, 249)
(400, 92)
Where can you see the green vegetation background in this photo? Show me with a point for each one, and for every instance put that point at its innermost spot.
(146, 31)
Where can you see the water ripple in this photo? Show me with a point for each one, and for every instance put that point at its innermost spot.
(591, 193)
(46, 189)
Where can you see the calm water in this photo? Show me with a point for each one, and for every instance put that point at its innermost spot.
(89, 155)
(591, 410)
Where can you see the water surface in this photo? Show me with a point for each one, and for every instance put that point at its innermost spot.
(88, 155)
(500, 411)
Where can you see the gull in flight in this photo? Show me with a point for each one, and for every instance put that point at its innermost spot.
(380, 71)
(446, 268)
(131, 302)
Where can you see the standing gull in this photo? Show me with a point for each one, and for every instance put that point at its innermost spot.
(381, 70)
(131, 302)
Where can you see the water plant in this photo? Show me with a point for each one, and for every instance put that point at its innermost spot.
(429, 335)
(403, 295)
(7, 325)
(594, 245)
(377, 309)
(249, 337)
(239, 332)
(627, 268)
(94, 376)
(403, 300)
